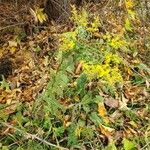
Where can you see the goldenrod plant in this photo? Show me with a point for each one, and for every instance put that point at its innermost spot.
(96, 63)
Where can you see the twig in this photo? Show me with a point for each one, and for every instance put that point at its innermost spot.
(145, 146)
(13, 144)
(33, 137)
(13, 25)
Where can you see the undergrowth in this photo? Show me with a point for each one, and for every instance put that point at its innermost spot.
(92, 67)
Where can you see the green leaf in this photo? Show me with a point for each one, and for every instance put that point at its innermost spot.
(98, 99)
(4, 84)
(59, 131)
(144, 67)
(86, 108)
(81, 123)
(87, 99)
(19, 148)
(47, 123)
(72, 138)
(111, 146)
(95, 118)
(5, 148)
(137, 80)
(81, 82)
(128, 25)
(88, 133)
(36, 48)
(128, 145)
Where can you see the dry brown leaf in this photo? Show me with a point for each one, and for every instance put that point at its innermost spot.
(112, 103)
(97, 35)
(12, 43)
(11, 109)
(123, 103)
(118, 135)
(147, 83)
(78, 68)
(115, 116)
(27, 94)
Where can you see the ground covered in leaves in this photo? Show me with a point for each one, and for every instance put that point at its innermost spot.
(80, 85)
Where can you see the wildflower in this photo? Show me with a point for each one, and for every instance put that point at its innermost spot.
(68, 41)
(94, 25)
(129, 4)
(107, 72)
(114, 58)
(80, 19)
(117, 42)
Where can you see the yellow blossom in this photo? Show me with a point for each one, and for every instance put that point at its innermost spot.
(117, 42)
(94, 25)
(129, 4)
(82, 20)
(67, 41)
(106, 72)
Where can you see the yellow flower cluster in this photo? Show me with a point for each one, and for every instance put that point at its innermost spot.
(67, 41)
(106, 71)
(115, 41)
(112, 58)
(129, 4)
(79, 19)
(83, 20)
(94, 25)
